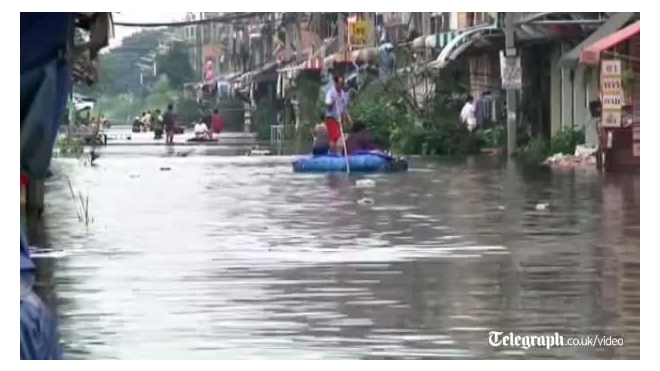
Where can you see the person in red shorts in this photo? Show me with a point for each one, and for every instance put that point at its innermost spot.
(217, 124)
(335, 105)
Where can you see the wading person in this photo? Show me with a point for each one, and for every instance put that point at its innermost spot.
(217, 124)
(468, 116)
(157, 123)
(168, 119)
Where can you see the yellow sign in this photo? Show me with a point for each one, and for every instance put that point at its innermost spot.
(357, 33)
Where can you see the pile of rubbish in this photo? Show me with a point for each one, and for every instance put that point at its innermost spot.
(584, 157)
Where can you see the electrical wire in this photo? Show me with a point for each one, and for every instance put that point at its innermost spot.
(221, 19)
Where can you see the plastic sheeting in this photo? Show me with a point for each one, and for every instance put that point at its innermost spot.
(45, 84)
(39, 331)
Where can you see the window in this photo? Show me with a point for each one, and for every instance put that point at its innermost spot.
(470, 19)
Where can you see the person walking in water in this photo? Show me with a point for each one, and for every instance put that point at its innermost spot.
(217, 124)
(168, 120)
(468, 115)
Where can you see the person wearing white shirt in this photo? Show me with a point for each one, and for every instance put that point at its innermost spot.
(468, 115)
(201, 130)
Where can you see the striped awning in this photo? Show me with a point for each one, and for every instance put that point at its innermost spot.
(443, 38)
(456, 43)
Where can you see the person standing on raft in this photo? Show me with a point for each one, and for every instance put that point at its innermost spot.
(335, 103)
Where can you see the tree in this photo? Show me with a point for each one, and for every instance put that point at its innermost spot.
(176, 65)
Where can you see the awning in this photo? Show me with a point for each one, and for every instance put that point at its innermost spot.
(591, 54)
(618, 20)
(461, 42)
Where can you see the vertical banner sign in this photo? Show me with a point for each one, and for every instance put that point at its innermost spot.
(357, 34)
(511, 72)
(611, 93)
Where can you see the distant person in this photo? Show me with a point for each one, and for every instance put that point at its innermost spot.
(146, 120)
(137, 125)
(157, 122)
(468, 115)
(321, 144)
(169, 124)
(359, 140)
(217, 123)
(201, 130)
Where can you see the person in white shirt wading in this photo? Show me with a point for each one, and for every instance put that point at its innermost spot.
(468, 116)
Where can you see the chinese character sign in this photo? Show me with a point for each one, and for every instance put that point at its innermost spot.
(611, 93)
(357, 33)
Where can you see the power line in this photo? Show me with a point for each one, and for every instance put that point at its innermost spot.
(221, 19)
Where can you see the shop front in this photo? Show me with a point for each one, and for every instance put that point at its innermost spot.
(617, 58)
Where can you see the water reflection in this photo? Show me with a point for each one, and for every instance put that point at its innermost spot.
(236, 257)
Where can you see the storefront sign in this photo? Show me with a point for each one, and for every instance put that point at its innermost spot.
(357, 33)
(610, 84)
(611, 89)
(612, 101)
(635, 131)
(611, 118)
(611, 67)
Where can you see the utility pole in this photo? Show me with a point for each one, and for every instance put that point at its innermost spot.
(426, 30)
(341, 32)
(200, 43)
(510, 53)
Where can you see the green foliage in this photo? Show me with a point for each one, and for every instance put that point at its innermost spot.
(176, 65)
(162, 94)
(535, 151)
(394, 118)
(119, 92)
(566, 140)
(71, 147)
(264, 116)
(310, 104)
(492, 135)
(118, 72)
(538, 149)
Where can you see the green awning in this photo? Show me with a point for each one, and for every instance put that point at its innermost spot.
(618, 20)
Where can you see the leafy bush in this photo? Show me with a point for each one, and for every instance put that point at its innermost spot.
(71, 147)
(538, 149)
(492, 135)
(566, 140)
(535, 151)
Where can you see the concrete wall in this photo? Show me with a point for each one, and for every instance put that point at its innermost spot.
(570, 96)
(484, 73)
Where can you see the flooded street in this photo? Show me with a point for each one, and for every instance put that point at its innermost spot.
(238, 257)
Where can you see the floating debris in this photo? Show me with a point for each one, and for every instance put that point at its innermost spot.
(365, 183)
(366, 201)
(542, 206)
(584, 157)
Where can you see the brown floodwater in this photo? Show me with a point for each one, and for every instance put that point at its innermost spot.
(237, 257)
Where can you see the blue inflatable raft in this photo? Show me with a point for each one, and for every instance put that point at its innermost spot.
(359, 162)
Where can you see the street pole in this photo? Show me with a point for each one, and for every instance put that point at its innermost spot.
(200, 43)
(426, 30)
(510, 53)
(341, 32)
